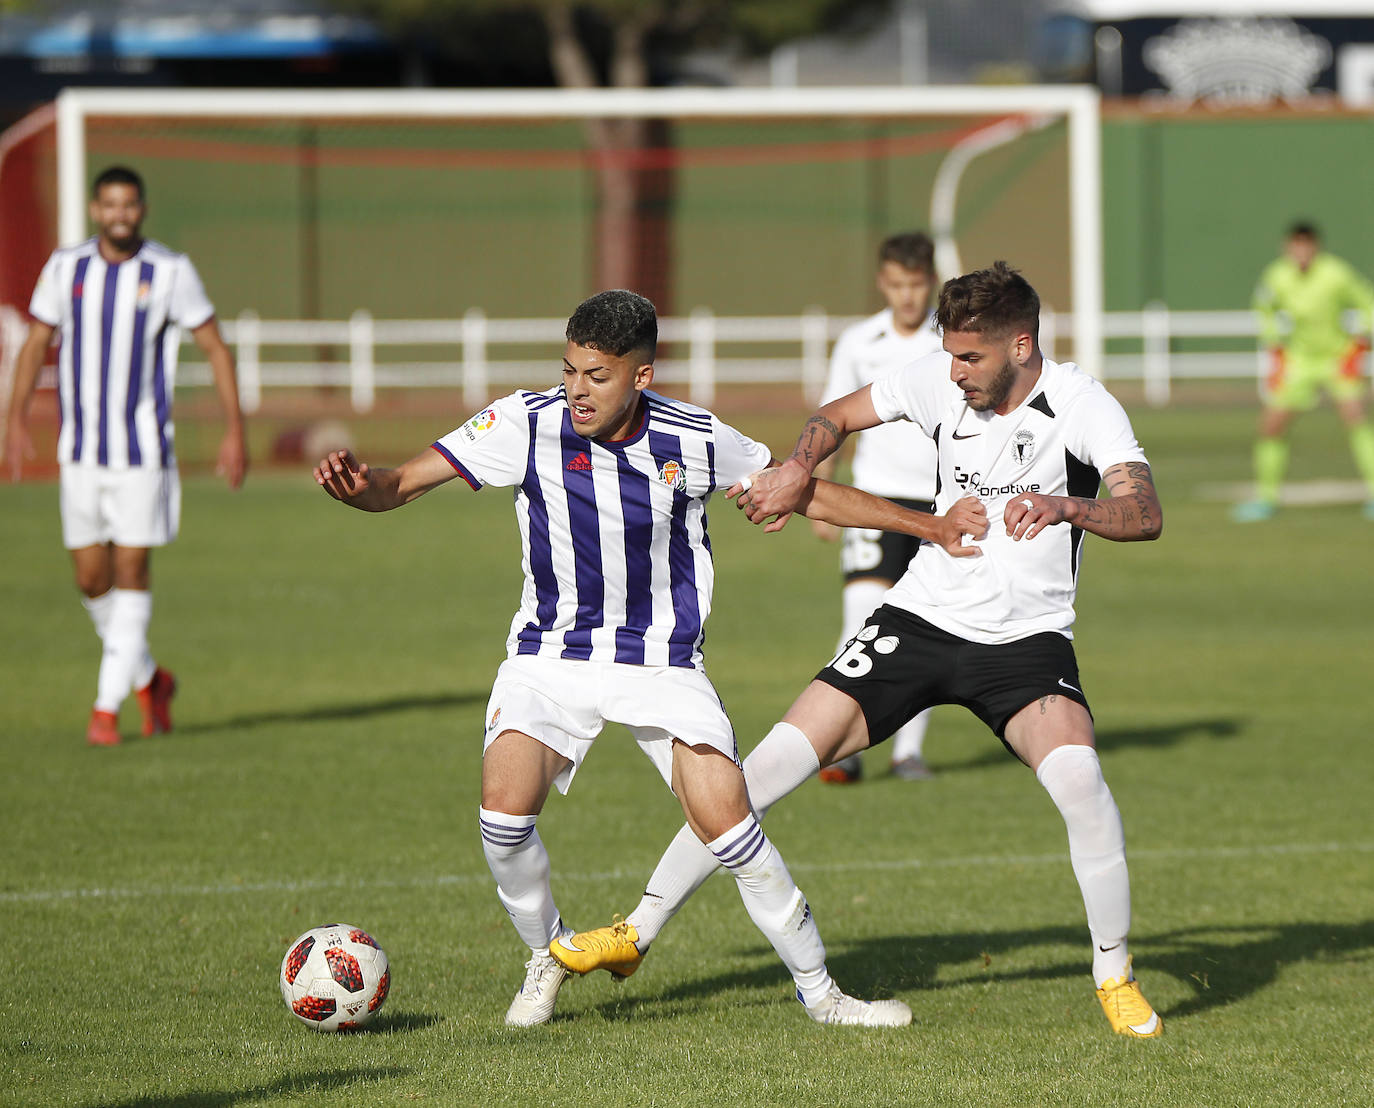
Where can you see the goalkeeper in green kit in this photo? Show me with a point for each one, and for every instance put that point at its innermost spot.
(1314, 290)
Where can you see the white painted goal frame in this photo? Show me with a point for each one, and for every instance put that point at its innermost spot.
(1078, 104)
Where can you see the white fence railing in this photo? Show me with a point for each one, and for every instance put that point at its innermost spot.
(1142, 346)
(476, 341)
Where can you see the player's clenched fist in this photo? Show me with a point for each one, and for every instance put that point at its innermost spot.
(967, 518)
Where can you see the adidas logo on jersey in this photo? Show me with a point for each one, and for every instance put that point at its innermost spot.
(581, 462)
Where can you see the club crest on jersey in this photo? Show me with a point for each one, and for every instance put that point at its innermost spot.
(674, 476)
(145, 290)
(480, 424)
(1023, 447)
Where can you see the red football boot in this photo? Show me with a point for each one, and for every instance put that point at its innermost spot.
(155, 699)
(103, 729)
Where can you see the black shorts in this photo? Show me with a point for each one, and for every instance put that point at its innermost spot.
(900, 665)
(883, 554)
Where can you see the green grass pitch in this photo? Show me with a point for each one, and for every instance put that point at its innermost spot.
(325, 767)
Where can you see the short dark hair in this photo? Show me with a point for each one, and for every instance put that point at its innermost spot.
(616, 322)
(910, 250)
(994, 301)
(117, 175)
(1304, 229)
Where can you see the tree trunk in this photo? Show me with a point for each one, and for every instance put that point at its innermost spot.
(631, 247)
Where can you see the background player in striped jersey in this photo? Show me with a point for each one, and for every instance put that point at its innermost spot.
(1314, 290)
(893, 460)
(611, 481)
(119, 302)
(1033, 440)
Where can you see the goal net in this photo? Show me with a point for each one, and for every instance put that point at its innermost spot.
(418, 205)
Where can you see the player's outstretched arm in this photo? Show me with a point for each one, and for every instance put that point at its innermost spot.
(845, 506)
(1132, 512)
(360, 486)
(776, 493)
(18, 445)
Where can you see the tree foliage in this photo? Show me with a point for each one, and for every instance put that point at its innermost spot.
(606, 29)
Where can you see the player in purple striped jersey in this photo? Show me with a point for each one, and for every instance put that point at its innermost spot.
(611, 482)
(119, 302)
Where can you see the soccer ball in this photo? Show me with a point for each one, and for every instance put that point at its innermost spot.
(335, 978)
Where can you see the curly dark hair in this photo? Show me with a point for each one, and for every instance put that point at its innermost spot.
(616, 322)
(996, 301)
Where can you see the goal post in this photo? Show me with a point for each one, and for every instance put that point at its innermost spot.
(1078, 107)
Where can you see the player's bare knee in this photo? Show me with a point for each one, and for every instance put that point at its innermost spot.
(710, 788)
(132, 568)
(832, 722)
(93, 583)
(517, 773)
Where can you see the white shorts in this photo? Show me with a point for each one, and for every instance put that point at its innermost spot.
(564, 704)
(128, 507)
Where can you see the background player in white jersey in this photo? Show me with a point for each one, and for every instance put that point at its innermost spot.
(611, 481)
(893, 460)
(1033, 440)
(119, 302)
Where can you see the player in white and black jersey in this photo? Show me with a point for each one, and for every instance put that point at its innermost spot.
(119, 303)
(1033, 440)
(611, 482)
(895, 460)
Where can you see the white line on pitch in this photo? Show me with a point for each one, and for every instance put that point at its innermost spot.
(33, 896)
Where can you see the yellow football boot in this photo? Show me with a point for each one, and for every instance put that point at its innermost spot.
(1127, 1010)
(610, 948)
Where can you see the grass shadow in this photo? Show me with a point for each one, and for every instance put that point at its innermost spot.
(1116, 738)
(1220, 965)
(323, 1082)
(403, 1022)
(357, 710)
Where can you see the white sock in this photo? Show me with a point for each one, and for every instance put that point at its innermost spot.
(909, 740)
(1072, 775)
(857, 602)
(776, 905)
(125, 663)
(682, 870)
(98, 608)
(520, 864)
(781, 762)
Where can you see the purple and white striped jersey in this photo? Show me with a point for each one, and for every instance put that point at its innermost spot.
(120, 330)
(615, 552)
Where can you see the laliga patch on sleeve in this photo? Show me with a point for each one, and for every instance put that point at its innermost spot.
(480, 424)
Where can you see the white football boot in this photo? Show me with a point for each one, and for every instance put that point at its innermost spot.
(843, 1010)
(533, 1004)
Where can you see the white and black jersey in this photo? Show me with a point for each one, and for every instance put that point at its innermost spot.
(894, 460)
(1058, 442)
(120, 326)
(615, 552)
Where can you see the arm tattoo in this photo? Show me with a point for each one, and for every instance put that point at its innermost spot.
(1133, 507)
(1139, 472)
(819, 439)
